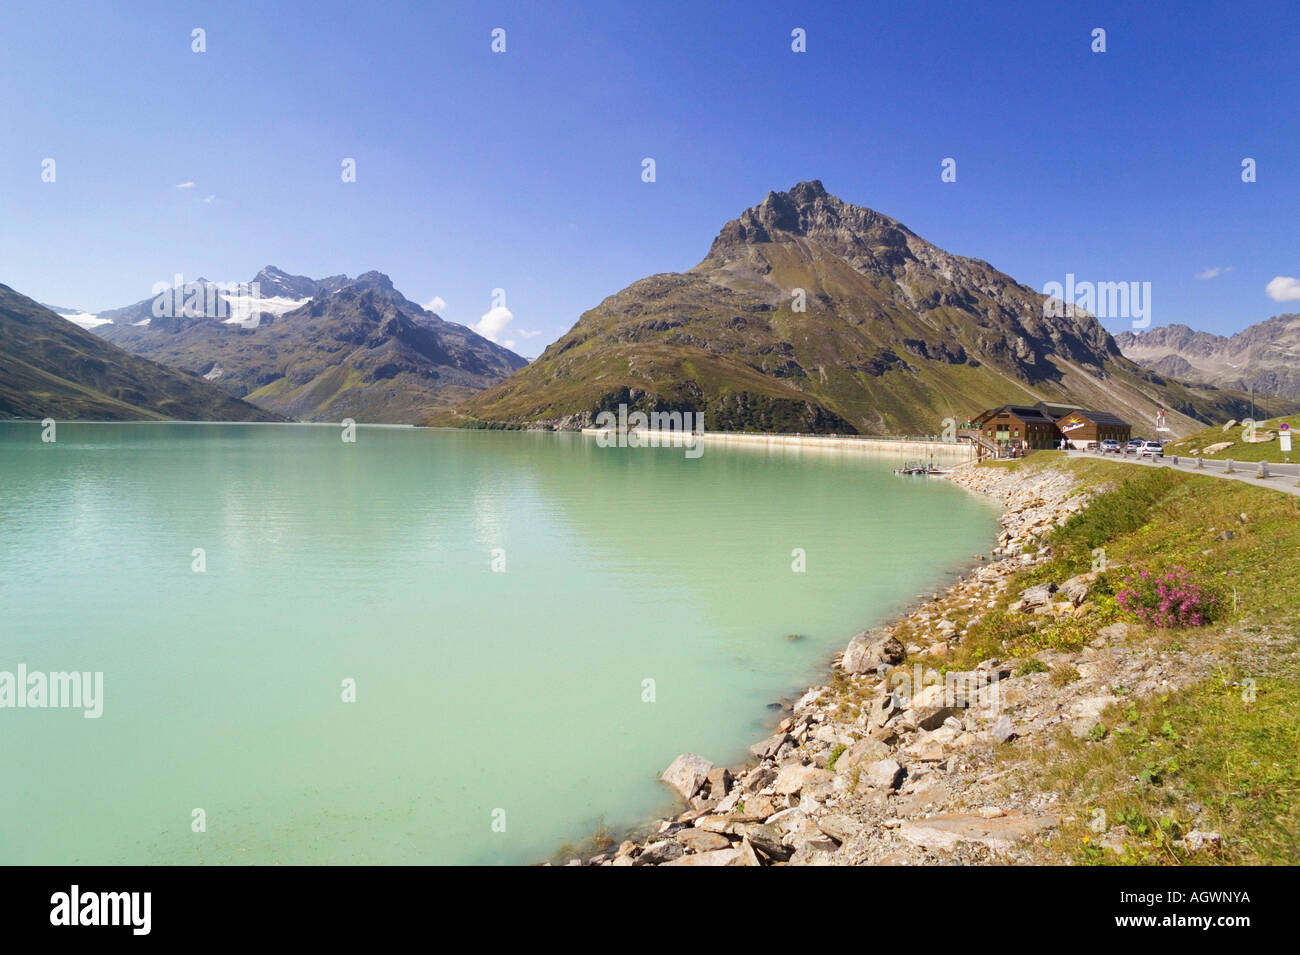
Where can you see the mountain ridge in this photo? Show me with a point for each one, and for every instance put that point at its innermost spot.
(50, 367)
(354, 347)
(1265, 355)
(808, 313)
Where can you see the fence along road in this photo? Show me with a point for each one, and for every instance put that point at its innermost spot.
(1281, 477)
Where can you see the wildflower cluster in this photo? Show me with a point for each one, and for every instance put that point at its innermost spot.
(1172, 599)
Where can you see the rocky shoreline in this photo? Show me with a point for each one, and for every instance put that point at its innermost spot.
(899, 760)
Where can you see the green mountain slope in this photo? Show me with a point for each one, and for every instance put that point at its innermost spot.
(895, 335)
(51, 368)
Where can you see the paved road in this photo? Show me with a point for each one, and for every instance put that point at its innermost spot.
(1282, 477)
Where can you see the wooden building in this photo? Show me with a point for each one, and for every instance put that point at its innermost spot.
(1014, 429)
(1083, 427)
(1018, 428)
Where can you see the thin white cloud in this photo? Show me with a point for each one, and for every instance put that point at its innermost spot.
(185, 185)
(1213, 273)
(435, 304)
(209, 199)
(1283, 288)
(493, 324)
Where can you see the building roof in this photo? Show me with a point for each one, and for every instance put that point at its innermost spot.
(1098, 417)
(1026, 413)
(1054, 409)
(1051, 413)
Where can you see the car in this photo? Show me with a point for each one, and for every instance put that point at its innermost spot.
(1134, 445)
(1109, 446)
(1153, 448)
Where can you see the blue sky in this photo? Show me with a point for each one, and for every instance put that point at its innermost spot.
(522, 170)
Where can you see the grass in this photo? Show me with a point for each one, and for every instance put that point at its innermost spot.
(1214, 756)
(1063, 674)
(1220, 756)
(836, 753)
(1155, 518)
(1240, 450)
(1030, 667)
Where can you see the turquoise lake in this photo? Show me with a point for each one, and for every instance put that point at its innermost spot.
(477, 690)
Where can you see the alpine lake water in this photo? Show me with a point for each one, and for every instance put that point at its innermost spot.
(427, 646)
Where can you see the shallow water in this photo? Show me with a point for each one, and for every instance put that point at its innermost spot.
(482, 695)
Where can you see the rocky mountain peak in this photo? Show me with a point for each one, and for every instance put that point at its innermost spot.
(373, 279)
(807, 210)
(1264, 356)
(809, 191)
(272, 282)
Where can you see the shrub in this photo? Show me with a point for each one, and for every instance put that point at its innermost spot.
(1031, 666)
(1172, 599)
(836, 753)
(1063, 674)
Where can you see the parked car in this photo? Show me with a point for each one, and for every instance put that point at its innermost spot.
(1153, 448)
(1109, 446)
(1134, 446)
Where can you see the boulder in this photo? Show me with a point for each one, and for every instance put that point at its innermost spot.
(687, 774)
(871, 649)
(1076, 588)
(947, 831)
(1033, 599)
(883, 774)
(932, 747)
(759, 779)
(1086, 713)
(839, 827)
(760, 806)
(769, 747)
(701, 840)
(716, 823)
(1116, 632)
(1003, 731)
(860, 755)
(719, 779)
(813, 850)
(931, 706)
(826, 733)
(731, 856)
(884, 709)
(766, 838)
(793, 777)
(657, 853)
(747, 854)
(729, 802)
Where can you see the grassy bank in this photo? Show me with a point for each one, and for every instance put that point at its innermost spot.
(1239, 449)
(1221, 755)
